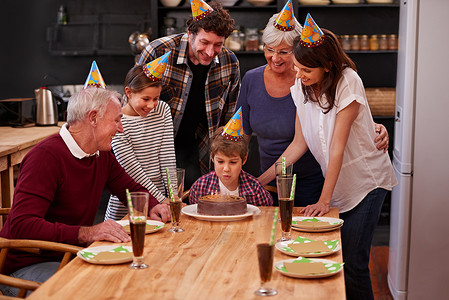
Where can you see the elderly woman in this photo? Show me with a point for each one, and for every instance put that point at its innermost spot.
(269, 111)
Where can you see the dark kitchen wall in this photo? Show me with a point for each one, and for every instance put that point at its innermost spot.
(25, 58)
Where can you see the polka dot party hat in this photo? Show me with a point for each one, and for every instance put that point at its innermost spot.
(286, 19)
(156, 68)
(234, 130)
(311, 35)
(200, 9)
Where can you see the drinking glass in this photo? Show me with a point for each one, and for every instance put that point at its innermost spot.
(288, 168)
(263, 223)
(177, 176)
(137, 222)
(284, 187)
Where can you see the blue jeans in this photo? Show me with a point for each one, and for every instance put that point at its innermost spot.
(37, 272)
(356, 235)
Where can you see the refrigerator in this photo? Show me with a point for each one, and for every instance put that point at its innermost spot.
(418, 266)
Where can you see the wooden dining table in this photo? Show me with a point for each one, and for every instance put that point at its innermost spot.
(209, 260)
(15, 143)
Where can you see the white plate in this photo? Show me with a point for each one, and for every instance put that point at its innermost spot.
(278, 266)
(159, 225)
(316, 230)
(335, 223)
(191, 210)
(88, 254)
(282, 245)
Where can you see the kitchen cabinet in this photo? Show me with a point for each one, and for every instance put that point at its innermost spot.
(107, 32)
(376, 68)
(95, 34)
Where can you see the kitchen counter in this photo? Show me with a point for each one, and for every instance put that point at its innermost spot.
(15, 143)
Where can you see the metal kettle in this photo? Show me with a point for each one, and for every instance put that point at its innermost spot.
(46, 108)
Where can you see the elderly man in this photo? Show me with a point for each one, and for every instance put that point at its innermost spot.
(60, 185)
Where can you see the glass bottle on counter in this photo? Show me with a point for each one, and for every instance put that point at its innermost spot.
(373, 43)
(62, 15)
(242, 38)
(355, 43)
(260, 40)
(364, 42)
(252, 39)
(383, 42)
(346, 42)
(392, 42)
(234, 41)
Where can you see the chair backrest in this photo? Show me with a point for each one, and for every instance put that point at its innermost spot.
(3, 214)
(185, 195)
(33, 246)
(270, 188)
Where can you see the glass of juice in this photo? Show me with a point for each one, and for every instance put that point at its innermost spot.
(137, 222)
(263, 223)
(177, 176)
(285, 196)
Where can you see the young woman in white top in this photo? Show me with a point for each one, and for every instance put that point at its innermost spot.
(334, 121)
(146, 146)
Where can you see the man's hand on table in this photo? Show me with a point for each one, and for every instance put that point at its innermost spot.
(160, 212)
(114, 232)
(106, 231)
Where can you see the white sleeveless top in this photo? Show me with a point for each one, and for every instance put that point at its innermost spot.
(364, 167)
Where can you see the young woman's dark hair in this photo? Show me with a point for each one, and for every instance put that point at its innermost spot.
(329, 55)
(218, 21)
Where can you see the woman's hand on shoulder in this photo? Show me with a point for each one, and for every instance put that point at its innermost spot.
(382, 138)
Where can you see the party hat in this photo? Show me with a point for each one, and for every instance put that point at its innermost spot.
(94, 79)
(234, 130)
(200, 9)
(311, 35)
(156, 68)
(285, 20)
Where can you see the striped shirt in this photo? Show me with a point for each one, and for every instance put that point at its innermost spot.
(221, 87)
(144, 149)
(249, 188)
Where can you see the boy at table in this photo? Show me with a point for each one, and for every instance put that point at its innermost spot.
(229, 151)
(60, 185)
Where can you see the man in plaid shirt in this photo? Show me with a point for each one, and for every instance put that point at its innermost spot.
(201, 84)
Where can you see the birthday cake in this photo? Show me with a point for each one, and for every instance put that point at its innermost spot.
(221, 205)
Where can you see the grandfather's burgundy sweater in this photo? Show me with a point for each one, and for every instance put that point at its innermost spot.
(56, 193)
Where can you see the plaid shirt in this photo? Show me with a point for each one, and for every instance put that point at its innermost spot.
(221, 92)
(249, 188)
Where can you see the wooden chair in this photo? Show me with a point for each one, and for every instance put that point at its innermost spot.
(270, 188)
(3, 214)
(185, 196)
(33, 246)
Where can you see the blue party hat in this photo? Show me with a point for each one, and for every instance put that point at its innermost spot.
(94, 79)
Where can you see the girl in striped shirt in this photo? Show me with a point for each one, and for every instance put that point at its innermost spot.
(146, 146)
